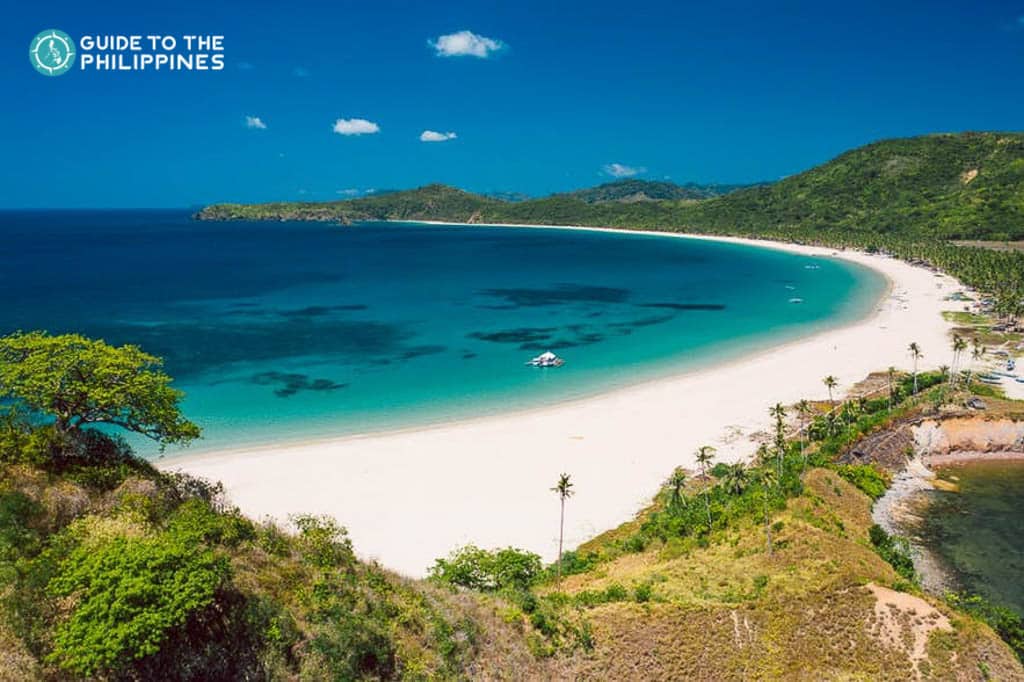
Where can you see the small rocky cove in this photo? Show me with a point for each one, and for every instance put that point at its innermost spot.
(957, 483)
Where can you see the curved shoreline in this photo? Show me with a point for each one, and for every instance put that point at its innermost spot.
(486, 479)
(184, 457)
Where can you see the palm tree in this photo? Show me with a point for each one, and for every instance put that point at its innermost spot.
(779, 412)
(830, 383)
(763, 454)
(735, 479)
(766, 478)
(803, 408)
(706, 455)
(977, 352)
(677, 481)
(915, 354)
(959, 346)
(564, 490)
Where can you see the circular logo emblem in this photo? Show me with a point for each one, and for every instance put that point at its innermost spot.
(52, 52)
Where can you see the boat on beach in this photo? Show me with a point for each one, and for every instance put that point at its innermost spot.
(546, 359)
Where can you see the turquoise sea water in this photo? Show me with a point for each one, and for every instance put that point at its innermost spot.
(288, 331)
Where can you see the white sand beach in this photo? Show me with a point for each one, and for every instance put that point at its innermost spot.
(408, 497)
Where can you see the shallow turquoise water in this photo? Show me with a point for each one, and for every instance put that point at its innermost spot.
(284, 331)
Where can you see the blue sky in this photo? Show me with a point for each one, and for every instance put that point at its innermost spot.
(575, 94)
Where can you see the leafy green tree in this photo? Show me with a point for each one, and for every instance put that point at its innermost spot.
(80, 382)
(127, 595)
(486, 570)
(564, 490)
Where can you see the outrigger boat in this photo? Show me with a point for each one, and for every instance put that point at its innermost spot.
(546, 359)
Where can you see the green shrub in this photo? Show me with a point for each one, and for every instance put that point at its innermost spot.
(613, 593)
(195, 522)
(574, 562)
(642, 592)
(895, 550)
(487, 570)
(1006, 623)
(323, 543)
(719, 470)
(867, 478)
(129, 594)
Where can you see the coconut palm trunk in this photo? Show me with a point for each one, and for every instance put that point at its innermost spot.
(706, 455)
(915, 354)
(564, 490)
(561, 536)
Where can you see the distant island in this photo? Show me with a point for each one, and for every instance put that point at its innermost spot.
(955, 186)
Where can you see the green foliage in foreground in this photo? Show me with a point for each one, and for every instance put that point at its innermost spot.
(129, 573)
(130, 594)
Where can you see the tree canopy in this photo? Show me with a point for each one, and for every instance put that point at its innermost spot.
(79, 381)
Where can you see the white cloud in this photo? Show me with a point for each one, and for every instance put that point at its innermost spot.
(353, 192)
(434, 136)
(466, 44)
(619, 170)
(355, 126)
(255, 123)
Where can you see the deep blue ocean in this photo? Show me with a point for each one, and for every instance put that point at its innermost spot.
(285, 331)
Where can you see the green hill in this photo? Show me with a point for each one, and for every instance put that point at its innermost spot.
(630, 191)
(956, 186)
(964, 186)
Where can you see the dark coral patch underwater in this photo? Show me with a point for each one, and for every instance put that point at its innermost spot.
(557, 295)
(291, 383)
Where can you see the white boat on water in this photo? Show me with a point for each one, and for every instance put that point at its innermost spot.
(546, 359)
